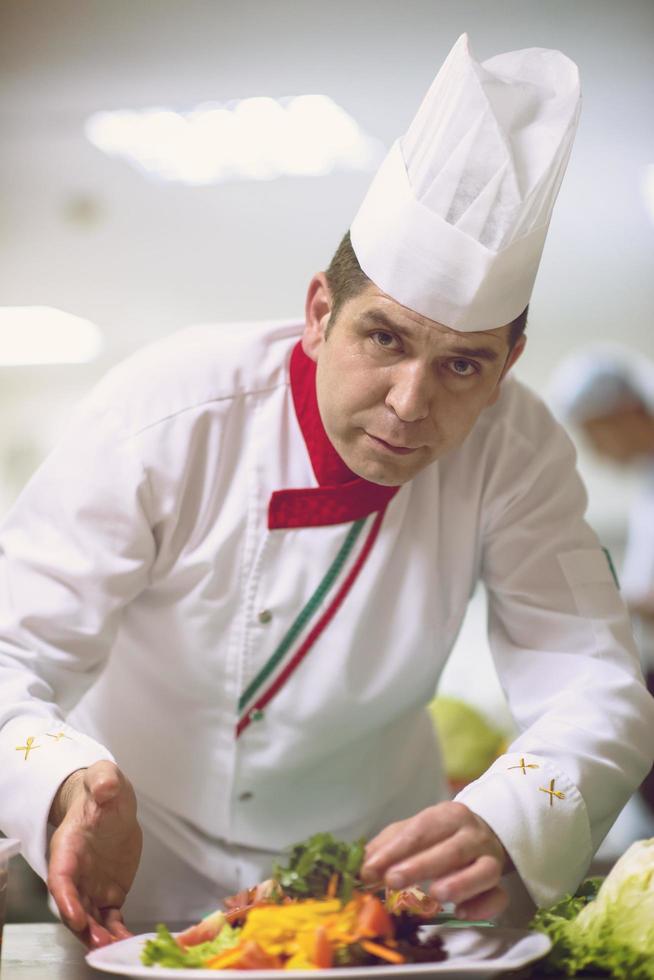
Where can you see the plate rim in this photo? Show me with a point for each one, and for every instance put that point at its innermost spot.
(462, 965)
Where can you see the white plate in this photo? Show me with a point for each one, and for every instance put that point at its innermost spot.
(472, 952)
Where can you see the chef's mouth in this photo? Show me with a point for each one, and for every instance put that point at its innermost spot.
(398, 450)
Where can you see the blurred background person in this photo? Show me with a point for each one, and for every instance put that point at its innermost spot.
(605, 393)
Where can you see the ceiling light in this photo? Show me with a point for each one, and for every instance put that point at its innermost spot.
(253, 139)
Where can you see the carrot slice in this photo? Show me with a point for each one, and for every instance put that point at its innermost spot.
(245, 956)
(322, 949)
(332, 887)
(384, 954)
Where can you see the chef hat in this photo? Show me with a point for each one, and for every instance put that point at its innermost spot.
(598, 380)
(454, 222)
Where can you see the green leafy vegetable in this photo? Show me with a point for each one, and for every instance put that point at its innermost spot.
(610, 928)
(165, 951)
(555, 921)
(312, 864)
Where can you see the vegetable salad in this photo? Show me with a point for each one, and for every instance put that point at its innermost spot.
(313, 914)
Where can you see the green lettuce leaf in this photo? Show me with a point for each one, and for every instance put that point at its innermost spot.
(165, 951)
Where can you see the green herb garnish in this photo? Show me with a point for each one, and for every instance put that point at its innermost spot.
(313, 863)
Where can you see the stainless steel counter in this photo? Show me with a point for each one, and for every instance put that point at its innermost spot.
(43, 951)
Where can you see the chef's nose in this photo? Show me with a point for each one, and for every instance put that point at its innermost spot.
(411, 392)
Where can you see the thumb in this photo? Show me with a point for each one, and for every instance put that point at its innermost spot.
(102, 782)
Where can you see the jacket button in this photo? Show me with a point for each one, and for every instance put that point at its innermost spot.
(244, 797)
(265, 616)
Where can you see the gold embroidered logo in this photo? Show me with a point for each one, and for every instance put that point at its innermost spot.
(28, 747)
(524, 766)
(58, 737)
(551, 792)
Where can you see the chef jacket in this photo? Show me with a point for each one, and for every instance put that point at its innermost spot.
(637, 575)
(191, 586)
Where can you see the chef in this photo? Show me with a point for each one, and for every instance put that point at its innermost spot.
(229, 593)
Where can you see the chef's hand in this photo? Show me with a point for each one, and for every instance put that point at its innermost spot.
(94, 852)
(450, 847)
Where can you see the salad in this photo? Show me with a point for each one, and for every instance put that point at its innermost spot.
(314, 913)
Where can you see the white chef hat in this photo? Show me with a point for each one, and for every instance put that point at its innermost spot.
(599, 379)
(454, 222)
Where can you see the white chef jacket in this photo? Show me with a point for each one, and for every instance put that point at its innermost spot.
(637, 576)
(143, 594)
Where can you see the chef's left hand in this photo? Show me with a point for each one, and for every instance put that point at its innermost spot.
(448, 846)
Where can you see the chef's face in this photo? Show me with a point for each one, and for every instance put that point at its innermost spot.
(396, 390)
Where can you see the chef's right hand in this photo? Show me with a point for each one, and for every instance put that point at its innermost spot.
(94, 852)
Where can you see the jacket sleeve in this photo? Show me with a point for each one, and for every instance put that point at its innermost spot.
(75, 548)
(562, 644)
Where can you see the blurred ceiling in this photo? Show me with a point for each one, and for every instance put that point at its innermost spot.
(91, 235)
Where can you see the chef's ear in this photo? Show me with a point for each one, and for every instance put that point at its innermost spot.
(317, 311)
(513, 356)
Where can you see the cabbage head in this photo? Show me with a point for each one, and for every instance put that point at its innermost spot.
(612, 931)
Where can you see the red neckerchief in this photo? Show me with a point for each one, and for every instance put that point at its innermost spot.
(340, 496)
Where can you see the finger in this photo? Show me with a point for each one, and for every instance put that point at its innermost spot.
(113, 897)
(395, 830)
(81, 934)
(450, 855)
(410, 837)
(120, 931)
(381, 838)
(68, 901)
(112, 920)
(487, 906)
(98, 935)
(479, 877)
(102, 781)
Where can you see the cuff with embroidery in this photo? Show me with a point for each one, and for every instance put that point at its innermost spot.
(36, 756)
(540, 818)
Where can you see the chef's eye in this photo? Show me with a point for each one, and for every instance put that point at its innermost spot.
(386, 340)
(463, 368)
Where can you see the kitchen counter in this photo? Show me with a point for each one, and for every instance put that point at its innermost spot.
(43, 951)
(48, 951)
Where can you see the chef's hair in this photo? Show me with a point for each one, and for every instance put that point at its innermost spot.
(347, 279)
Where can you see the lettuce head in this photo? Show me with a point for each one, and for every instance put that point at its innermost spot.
(612, 931)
